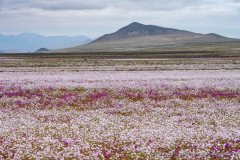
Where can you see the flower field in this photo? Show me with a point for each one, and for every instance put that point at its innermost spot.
(120, 115)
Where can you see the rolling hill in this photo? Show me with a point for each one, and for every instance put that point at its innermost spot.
(137, 36)
(30, 42)
(42, 50)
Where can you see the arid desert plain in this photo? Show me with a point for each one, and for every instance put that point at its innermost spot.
(119, 108)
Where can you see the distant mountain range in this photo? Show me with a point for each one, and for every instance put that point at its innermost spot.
(137, 36)
(30, 42)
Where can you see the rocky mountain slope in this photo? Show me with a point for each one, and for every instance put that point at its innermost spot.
(135, 30)
(137, 36)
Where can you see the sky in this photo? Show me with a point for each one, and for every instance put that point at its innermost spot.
(94, 18)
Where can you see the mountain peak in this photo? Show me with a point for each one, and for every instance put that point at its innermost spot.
(215, 35)
(137, 36)
(136, 29)
(135, 24)
(42, 50)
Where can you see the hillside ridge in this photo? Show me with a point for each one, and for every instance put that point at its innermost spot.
(136, 29)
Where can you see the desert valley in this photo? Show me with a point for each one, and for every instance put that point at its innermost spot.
(141, 92)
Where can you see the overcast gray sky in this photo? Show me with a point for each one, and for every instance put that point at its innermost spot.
(96, 17)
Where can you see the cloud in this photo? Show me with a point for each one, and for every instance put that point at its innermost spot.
(51, 4)
(102, 4)
(96, 17)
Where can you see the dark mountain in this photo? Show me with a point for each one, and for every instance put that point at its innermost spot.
(30, 42)
(138, 36)
(42, 50)
(136, 29)
(215, 35)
